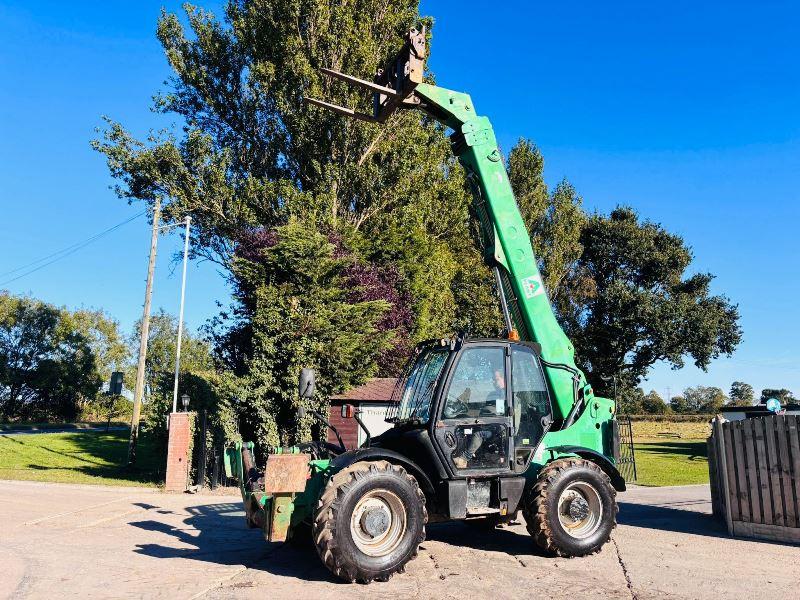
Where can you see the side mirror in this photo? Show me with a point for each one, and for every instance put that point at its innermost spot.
(307, 385)
(348, 411)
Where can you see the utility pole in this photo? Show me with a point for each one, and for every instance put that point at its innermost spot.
(148, 293)
(180, 317)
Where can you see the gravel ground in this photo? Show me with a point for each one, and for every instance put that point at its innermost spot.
(69, 541)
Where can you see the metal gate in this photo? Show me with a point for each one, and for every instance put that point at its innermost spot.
(623, 447)
(207, 460)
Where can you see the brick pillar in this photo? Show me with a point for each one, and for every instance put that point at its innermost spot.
(178, 459)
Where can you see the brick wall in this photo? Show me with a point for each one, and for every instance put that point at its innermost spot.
(178, 458)
(348, 428)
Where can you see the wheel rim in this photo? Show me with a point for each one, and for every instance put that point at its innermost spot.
(580, 510)
(378, 522)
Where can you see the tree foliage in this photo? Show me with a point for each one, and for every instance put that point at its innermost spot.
(703, 399)
(346, 243)
(210, 392)
(640, 306)
(653, 404)
(253, 161)
(52, 361)
(741, 394)
(783, 395)
(305, 307)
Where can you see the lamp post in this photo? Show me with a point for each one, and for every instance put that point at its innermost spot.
(185, 401)
(180, 318)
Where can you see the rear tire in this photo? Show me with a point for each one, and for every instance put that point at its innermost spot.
(572, 508)
(370, 521)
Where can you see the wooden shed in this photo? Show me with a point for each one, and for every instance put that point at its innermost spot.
(372, 399)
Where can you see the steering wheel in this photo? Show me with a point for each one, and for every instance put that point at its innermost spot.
(455, 408)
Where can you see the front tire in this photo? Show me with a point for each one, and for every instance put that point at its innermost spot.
(370, 521)
(572, 508)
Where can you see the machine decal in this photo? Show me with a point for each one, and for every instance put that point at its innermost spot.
(532, 286)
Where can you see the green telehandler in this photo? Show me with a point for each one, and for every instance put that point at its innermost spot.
(481, 428)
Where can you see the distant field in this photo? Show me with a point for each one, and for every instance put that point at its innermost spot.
(670, 453)
(652, 430)
(81, 457)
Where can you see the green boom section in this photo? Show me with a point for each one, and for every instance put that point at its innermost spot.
(508, 244)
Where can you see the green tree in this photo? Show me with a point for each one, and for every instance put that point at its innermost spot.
(679, 405)
(215, 393)
(111, 353)
(253, 159)
(783, 395)
(704, 400)
(303, 314)
(741, 394)
(653, 404)
(555, 221)
(630, 400)
(640, 306)
(160, 364)
(47, 366)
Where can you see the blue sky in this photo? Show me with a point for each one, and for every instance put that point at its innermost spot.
(689, 112)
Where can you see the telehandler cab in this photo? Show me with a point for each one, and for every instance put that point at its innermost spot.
(482, 428)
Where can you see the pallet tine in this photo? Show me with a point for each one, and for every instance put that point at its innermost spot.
(371, 86)
(348, 112)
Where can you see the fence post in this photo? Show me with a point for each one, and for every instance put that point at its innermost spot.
(722, 465)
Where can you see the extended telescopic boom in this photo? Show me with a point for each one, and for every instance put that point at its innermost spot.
(507, 245)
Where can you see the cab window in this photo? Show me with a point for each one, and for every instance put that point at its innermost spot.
(415, 402)
(531, 400)
(478, 385)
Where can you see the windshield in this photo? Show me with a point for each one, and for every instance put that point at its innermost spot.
(416, 395)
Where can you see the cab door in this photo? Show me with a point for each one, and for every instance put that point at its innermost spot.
(531, 408)
(474, 425)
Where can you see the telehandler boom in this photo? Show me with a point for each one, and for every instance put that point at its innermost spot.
(482, 428)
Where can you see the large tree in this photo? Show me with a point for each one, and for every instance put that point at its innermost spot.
(252, 159)
(783, 395)
(741, 394)
(640, 306)
(703, 399)
(653, 404)
(48, 369)
(264, 175)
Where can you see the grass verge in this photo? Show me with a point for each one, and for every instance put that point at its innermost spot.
(671, 462)
(81, 457)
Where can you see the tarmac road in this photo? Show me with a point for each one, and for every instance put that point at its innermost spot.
(68, 541)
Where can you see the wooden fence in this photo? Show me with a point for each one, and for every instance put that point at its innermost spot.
(754, 468)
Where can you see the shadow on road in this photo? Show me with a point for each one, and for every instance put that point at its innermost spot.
(679, 517)
(473, 534)
(217, 533)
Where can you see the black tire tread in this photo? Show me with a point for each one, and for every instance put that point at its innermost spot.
(535, 505)
(324, 530)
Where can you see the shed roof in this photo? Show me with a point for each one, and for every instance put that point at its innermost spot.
(377, 389)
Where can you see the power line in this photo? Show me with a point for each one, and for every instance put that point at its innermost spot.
(63, 253)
